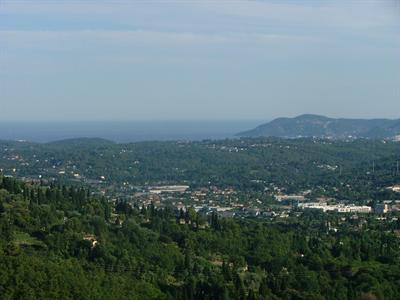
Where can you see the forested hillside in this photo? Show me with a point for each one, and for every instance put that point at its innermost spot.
(367, 166)
(59, 242)
(320, 126)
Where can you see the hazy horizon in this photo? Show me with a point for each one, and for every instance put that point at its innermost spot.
(122, 131)
(205, 60)
(192, 120)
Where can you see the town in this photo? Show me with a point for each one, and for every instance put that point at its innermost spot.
(273, 197)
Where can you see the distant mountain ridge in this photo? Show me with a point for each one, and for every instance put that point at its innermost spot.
(309, 125)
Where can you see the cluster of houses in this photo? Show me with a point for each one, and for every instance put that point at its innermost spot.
(340, 207)
(379, 208)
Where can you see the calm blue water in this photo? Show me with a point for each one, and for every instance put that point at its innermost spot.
(122, 132)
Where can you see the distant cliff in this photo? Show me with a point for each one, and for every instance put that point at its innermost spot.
(324, 127)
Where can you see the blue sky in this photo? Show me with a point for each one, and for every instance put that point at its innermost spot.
(202, 60)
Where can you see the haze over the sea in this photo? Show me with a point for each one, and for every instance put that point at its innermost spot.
(123, 132)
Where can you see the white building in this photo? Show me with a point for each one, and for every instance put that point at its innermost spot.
(340, 208)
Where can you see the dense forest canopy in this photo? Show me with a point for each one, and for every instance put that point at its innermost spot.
(60, 242)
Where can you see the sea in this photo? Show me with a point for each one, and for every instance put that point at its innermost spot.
(124, 131)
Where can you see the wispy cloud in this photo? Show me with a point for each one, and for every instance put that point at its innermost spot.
(264, 56)
(336, 14)
(42, 38)
(341, 13)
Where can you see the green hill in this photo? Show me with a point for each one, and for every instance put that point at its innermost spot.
(324, 127)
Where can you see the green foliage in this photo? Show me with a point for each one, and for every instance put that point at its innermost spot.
(59, 242)
(354, 170)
